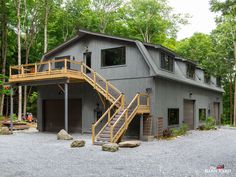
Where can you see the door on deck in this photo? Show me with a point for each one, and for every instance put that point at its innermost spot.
(87, 60)
(189, 113)
(54, 112)
(216, 115)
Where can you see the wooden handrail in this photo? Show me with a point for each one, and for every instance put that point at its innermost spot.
(103, 116)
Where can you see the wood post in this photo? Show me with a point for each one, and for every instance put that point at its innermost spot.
(65, 65)
(106, 89)
(93, 133)
(66, 107)
(94, 79)
(111, 134)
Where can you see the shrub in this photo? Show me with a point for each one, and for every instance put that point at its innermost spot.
(182, 130)
(210, 123)
(167, 133)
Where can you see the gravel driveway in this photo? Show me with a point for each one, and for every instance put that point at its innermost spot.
(40, 154)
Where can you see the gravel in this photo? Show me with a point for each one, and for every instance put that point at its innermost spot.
(41, 154)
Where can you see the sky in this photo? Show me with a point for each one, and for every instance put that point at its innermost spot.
(202, 18)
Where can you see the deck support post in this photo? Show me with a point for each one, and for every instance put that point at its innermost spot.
(66, 107)
(11, 109)
(141, 128)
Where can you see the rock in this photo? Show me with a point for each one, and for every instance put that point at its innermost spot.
(77, 143)
(63, 135)
(4, 131)
(129, 144)
(110, 147)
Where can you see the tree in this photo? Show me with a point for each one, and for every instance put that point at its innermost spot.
(227, 9)
(150, 20)
(3, 48)
(19, 56)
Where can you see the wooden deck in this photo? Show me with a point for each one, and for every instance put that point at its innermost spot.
(73, 71)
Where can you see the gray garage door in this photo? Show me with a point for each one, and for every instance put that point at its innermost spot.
(53, 113)
(189, 113)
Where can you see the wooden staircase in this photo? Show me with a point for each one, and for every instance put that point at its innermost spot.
(112, 125)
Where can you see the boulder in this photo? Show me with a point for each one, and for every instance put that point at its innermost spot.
(129, 144)
(4, 131)
(77, 143)
(63, 135)
(110, 147)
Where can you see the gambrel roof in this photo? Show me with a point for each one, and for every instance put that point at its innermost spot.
(155, 70)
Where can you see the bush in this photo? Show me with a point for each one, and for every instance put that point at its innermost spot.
(167, 133)
(182, 130)
(208, 125)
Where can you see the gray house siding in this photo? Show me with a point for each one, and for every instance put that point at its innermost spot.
(168, 89)
(172, 95)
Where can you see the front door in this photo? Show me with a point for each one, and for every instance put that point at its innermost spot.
(87, 60)
(189, 113)
(217, 112)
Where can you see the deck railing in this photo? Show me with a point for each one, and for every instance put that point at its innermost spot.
(122, 123)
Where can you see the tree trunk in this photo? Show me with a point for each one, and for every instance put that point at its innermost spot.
(19, 59)
(231, 100)
(3, 48)
(235, 85)
(46, 27)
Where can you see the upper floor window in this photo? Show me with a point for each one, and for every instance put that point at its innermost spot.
(218, 81)
(167, 62)
(190, 72)
(207, 78)
(113, 56)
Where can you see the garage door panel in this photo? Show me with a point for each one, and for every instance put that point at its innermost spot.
(54, 112)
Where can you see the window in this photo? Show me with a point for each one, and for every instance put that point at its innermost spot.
(202, 115)
(173, 116)
(60, 65)
(207, 78)
(112, 57)
(190, 71)
(218, 81)
(167, 62)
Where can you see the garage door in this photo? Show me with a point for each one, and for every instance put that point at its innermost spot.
(217, 112)
(53, 112)
(189, 113)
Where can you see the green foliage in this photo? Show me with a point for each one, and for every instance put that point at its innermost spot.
(32, 103)
(182, 130)
(210, 124)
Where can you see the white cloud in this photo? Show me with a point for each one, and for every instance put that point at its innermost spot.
(202, 18)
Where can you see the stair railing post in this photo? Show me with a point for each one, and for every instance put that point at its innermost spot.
(93, 133)
(123, 101)
(148, 100)
(111, 134)
(106, 89)
(138, 100)
(94, 79)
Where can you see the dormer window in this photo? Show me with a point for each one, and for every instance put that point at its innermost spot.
(207, 78)
(218, 81)
(190, 72)
(167, 62)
